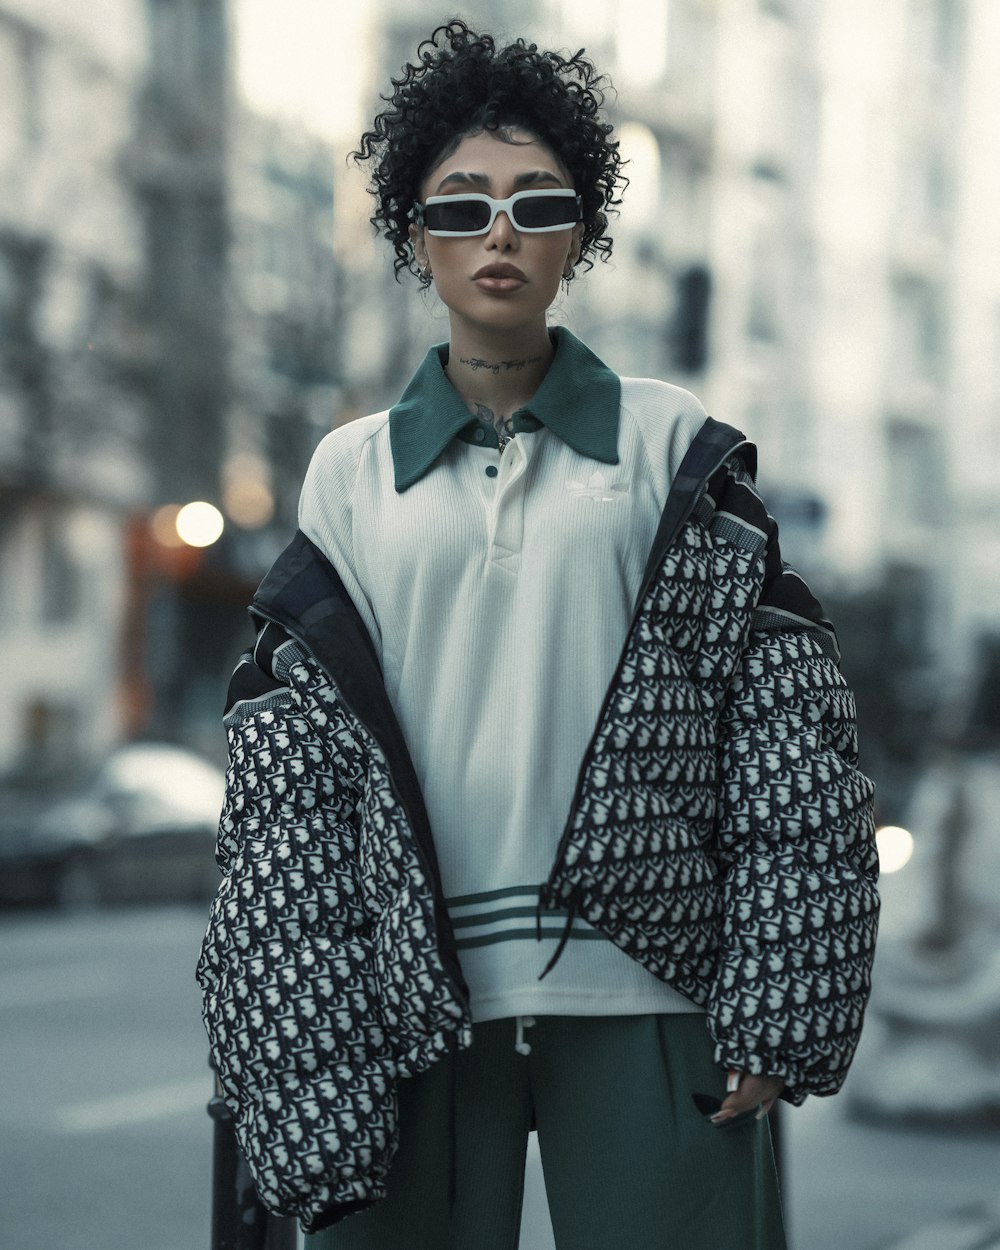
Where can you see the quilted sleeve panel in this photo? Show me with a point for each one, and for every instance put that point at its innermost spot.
(799, 864)
(287, 969)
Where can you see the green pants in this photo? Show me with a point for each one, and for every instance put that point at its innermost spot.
(629, 1163)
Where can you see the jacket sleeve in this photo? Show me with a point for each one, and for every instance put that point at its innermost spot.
(286, 967)
(796, 842)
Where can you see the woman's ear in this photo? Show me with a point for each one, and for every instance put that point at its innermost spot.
(575, 247)
(419, 246)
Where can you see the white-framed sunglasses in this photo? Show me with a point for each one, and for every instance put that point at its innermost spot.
(535, 212)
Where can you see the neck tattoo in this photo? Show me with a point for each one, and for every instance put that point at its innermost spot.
(502, 424)
(476, 363)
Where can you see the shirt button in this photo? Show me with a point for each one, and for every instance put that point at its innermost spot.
(479, 435)
(492, 470)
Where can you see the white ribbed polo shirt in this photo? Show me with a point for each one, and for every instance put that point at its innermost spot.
(498, 590)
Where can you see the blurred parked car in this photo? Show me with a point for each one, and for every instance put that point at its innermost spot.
(142, 830)
(931, 1051)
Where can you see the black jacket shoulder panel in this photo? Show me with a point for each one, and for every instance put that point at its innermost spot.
(305, 595)
(711, 446)
(248, 683)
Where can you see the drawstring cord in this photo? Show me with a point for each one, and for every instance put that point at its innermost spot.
(520, 1045)
(544, 898)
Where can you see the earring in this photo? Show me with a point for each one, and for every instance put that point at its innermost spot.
(568, 271)
(426, 271)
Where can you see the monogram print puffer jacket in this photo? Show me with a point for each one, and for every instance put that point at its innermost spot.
(721, 834)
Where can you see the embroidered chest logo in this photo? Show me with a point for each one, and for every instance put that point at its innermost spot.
(595, 487)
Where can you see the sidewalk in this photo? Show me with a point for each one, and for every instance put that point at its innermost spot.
(970, 1230)
(852, 1185)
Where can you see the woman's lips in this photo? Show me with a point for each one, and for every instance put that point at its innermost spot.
(499, 278)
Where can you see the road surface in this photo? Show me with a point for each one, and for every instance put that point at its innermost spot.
(105, 1144)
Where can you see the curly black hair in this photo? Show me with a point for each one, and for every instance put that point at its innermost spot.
(464, 85)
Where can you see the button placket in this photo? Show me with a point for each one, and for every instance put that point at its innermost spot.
(508, 503)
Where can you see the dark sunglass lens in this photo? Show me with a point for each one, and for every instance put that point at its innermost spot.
(457, 214)
(545, 210)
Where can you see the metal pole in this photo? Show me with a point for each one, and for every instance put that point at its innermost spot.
(282, 1234)
(239, 1222)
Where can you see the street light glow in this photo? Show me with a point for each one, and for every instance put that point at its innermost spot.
(163, 525)
(199, 524)
(895, 846)
(250, 504)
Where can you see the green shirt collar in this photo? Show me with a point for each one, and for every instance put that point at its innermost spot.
(578, 400)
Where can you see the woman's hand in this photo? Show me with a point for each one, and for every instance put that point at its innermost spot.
(746, 1092)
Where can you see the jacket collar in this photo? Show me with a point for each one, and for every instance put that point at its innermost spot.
(578, 400)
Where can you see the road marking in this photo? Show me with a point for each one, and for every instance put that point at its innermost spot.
(158, 1102)
(975, 1229)
(44, 986)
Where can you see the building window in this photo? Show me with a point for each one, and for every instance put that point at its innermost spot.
(50, 733)
(21, 50)
(936, 29)
(21, 267)
(945, 29)
(61, 578)
(165, 250)
(917, 484)
(211, 235)
(211, 42)
(9, 290)
(938, 187)
(187, 40)
(165, 36)
(762, 307)
(919, 331)
(691, 319)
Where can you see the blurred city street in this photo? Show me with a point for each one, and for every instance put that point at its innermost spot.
(105, 1140)
(192, 298)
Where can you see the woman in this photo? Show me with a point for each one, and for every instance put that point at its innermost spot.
(543, 805)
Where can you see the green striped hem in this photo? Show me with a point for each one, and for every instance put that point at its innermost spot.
(506, 913)
(521, 935)
(483, 920)
(466, 900)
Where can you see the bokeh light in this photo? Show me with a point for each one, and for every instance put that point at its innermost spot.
(895, 847)
(163, 525)
(199, 524)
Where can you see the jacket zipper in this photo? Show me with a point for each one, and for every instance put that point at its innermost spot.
(545, 893)
(430, 873)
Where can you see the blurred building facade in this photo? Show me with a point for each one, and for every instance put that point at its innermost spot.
(804, 244)
(167, 334)
(72, 412)
(285, 313)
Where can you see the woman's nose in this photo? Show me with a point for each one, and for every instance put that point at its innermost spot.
(503, 233)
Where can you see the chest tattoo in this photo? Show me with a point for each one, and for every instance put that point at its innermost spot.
(504, 425)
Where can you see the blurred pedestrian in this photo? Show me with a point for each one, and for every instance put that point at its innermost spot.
(544, 809)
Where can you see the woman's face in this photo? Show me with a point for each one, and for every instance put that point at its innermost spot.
(505, 279)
